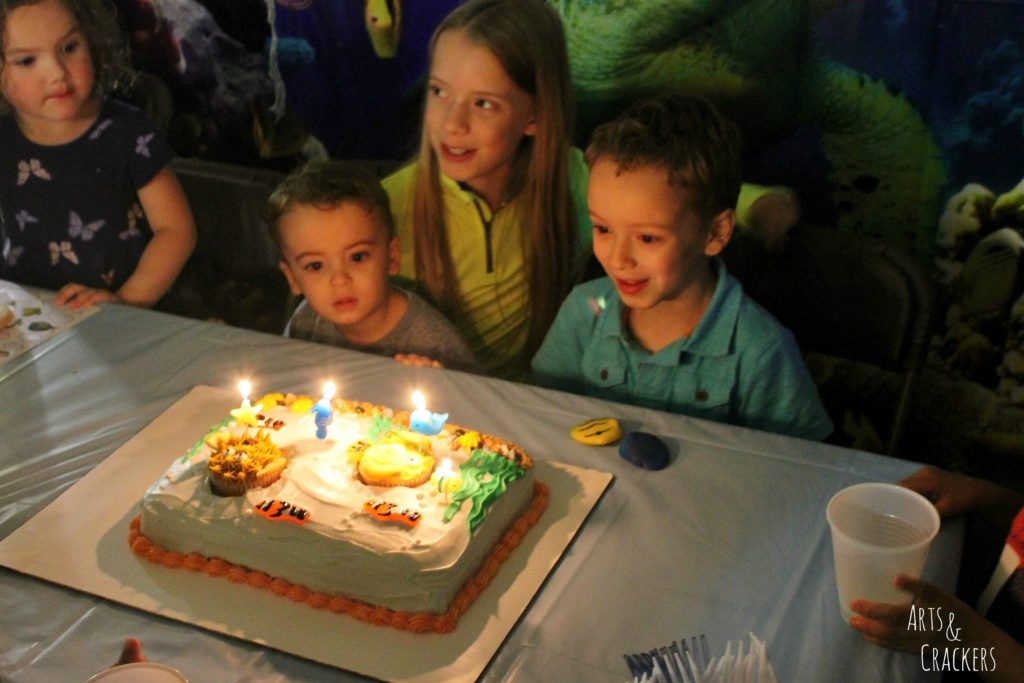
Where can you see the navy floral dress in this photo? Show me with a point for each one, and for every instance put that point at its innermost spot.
(71, 213)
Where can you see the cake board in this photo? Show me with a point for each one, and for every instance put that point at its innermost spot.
(90, 553)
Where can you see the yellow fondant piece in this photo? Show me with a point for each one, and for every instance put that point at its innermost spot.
(356, 450)
(469, 441)
(271, 400)
(411, 440)
(302, 404)
(600, 431)
(216, 438)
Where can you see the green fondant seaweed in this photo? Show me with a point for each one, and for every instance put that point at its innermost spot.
(497, 470)
(381, 425)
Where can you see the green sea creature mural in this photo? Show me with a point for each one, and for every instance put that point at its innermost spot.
(757, 60)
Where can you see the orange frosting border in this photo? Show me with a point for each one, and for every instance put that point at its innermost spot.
(417, 622)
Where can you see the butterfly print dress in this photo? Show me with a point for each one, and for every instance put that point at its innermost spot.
(71, 213)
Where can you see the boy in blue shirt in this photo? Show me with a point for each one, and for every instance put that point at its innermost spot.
(669, 328)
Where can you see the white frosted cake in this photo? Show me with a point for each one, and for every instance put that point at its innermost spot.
(389, 526)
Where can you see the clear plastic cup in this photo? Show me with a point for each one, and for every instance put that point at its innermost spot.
(878, 531)
(139, 672)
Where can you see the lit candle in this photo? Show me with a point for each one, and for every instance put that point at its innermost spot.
(245, 387)
(422, 421)
(446, 479)
(246, 413)
(324, 411)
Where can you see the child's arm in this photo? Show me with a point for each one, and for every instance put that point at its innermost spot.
(767, 214)
(960, 627)
(174, 237)
(775, 392)
(956, 494)
(558, 363)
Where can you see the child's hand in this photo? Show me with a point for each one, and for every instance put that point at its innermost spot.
(416, 361)
(891, 626)
(956, 494)
(77, 296)
(772, 216)
(940, 624)
(952, 494)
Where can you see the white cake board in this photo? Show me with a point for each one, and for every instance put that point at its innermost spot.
(88, 551)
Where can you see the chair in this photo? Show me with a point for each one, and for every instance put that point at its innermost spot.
(848, 297)
(232, 274)
(229, 204)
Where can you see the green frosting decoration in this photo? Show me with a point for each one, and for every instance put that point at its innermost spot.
(484, 479)
(199, 444)
(381, 425)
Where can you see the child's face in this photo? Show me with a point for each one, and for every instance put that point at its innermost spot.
(47, 74)
(649, 240)
(340, 259)
(476, 116)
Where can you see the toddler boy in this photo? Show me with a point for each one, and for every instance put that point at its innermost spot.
(332, 224)
(669, 328)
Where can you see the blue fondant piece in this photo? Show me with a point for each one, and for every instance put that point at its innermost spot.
(644, 450)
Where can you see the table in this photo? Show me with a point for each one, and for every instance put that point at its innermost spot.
(731, 538)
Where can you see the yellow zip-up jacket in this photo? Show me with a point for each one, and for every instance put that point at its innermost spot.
(486, 250)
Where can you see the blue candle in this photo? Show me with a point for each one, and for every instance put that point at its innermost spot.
(422, 421)
(323, 410)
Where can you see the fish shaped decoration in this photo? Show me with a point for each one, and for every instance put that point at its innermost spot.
(384, 25)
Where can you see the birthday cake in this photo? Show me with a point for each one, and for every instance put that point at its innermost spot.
(340, 505)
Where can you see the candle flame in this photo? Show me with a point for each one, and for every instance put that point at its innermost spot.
(329, 390)
(418, 400)
(244, 387)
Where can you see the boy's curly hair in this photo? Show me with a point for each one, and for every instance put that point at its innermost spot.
(325, 184)
(683, 134)
(111, 60)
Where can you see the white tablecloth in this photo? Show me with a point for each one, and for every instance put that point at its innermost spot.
(731, 538)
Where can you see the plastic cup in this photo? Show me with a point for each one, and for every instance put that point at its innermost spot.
(139, 672)
(878, 531)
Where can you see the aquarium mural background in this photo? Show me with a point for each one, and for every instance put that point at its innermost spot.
(818, 86)
(901, 120)
(959, 63)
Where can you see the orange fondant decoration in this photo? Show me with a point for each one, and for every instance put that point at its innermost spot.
(417, 622)
(390, 512)
(280, 511)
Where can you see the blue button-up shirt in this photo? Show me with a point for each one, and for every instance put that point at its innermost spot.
(739, 365)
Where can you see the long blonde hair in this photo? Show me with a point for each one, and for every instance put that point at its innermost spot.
(527, 39)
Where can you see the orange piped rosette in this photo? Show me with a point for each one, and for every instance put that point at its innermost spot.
(416, 622)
